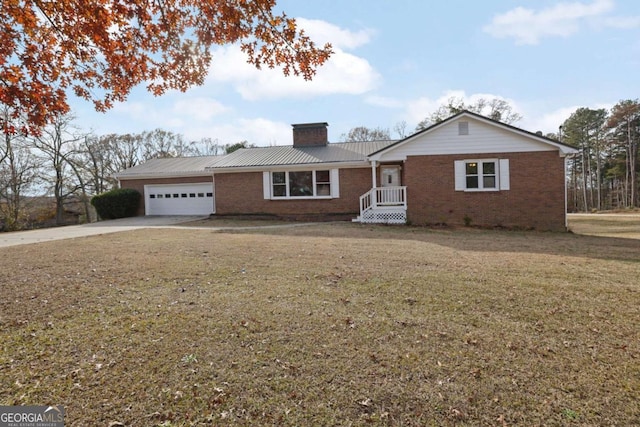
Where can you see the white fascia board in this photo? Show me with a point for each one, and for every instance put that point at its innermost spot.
(163, 175)
(384, 157)
(292, 167)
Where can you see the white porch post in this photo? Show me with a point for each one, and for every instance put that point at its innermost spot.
(374, 193)
(373, 174)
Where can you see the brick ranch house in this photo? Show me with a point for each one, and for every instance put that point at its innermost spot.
(467, 169)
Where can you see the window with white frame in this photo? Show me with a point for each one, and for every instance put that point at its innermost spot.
(482, 175)
(301, 184)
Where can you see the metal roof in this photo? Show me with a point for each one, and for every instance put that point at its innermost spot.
(171, 166)
(290, 155)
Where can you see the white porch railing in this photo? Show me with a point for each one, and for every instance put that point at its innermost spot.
(387, 205)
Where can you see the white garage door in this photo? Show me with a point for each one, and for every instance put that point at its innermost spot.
(179, 199)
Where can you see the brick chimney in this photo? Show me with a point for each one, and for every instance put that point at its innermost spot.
(310, 134)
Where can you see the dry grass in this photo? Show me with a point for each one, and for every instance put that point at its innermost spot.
(608, 225)
(333, 324)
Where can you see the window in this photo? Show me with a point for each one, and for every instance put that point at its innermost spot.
(279, 180)
(323, 183)
(463, 128)
(302, 184)
(482, 175)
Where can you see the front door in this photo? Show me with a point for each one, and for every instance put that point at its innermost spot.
(390, 176)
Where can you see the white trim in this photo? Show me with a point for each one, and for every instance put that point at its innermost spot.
(503, 172)
(460, 176)
(266, 185)
(335, 183)
(374, 174)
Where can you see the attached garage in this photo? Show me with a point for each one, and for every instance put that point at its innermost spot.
(173, 186)
(179, 199)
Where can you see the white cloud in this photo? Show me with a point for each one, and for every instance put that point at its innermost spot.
(258, 131)
(200, 109)
(549, 122)
(546, 122)
(622, 22)
(343, 73)
(418, 109)
(528, 26)
(322, 32)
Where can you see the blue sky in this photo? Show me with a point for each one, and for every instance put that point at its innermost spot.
(397, 61)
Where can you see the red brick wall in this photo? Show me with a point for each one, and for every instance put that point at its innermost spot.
(535, 199)
(306, 135)
(242, 193)
(138, 184)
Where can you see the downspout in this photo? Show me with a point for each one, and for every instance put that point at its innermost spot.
(566, 216)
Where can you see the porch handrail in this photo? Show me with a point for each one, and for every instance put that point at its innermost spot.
(383, 196)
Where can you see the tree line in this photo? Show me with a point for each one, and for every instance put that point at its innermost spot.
(65, 163)
(604, 174)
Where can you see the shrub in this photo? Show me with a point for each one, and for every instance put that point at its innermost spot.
(118, 203)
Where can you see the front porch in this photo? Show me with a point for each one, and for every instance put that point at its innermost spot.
(383, 205)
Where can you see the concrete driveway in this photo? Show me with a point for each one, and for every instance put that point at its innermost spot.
(15, 238)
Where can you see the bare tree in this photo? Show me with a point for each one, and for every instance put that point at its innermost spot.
(162, 143)
(56, 145)
(96, 159)
(363, 133)
(18, 176)
(400, 128)
(125, 149)
(206, 147)
(494, 108)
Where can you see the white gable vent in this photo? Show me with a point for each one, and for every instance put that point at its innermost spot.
(463, 128)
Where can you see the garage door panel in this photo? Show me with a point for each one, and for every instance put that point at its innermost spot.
(179, 199)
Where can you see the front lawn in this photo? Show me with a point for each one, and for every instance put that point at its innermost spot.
(332, 324)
